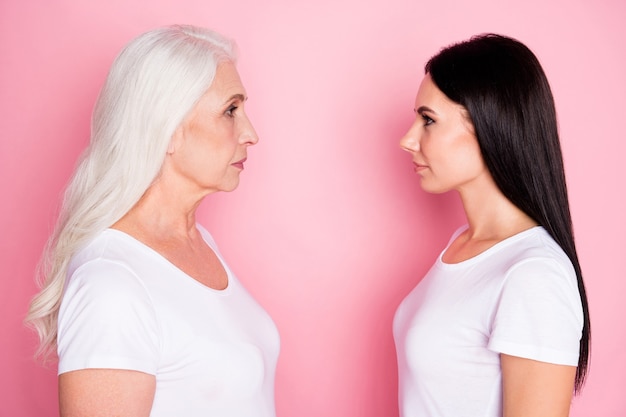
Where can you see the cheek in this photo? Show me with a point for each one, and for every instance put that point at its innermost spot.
(470, 158)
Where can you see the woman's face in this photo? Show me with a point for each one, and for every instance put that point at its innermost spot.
(209, 148)
(445, 150)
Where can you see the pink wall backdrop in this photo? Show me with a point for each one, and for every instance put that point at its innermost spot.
(329, 228)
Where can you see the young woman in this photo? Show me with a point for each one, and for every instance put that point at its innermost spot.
(499, 326)
(147, 318)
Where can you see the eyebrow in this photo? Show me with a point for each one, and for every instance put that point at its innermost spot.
(422, 109)
(237, 96)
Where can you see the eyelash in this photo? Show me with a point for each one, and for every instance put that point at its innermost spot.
(231, 110)
(427, 120)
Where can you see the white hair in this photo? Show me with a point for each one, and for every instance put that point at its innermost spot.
(152, 85)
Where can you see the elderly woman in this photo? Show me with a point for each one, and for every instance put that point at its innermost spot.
(499, 326)
(147, 318)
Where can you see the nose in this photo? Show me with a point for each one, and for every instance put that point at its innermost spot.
(410, 141)
(248, 133)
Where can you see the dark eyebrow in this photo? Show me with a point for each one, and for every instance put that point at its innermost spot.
(237, 96)
(422, 109)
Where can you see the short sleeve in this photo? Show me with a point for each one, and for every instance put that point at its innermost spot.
(106, 320)
(539, 314)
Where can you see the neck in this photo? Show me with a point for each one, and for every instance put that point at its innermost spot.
(162, 211)
(492, 216)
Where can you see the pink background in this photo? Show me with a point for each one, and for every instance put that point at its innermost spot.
(329, 228)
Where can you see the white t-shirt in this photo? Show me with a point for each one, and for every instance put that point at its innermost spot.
(520, 297)
(213, 352)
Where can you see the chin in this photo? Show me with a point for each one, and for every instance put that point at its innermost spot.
(230, 187)
(433, 189)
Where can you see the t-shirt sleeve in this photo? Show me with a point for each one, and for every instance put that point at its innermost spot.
(106, 320)
(539, 314)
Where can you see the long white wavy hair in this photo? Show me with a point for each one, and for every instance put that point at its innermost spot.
(152, 85)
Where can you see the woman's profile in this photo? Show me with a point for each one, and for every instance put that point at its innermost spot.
(146, 316)
(499, 326)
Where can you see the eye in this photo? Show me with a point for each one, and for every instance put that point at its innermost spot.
(231, 110)
(427, 120)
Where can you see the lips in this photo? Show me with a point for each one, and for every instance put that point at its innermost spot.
(239, 164)
(419, 167)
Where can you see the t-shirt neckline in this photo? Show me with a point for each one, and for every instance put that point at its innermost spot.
(147, 249)
(486, 253)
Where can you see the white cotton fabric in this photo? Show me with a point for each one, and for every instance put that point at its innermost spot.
(520, 298)
(213, 352)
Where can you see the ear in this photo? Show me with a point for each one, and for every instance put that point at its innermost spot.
(177, 140)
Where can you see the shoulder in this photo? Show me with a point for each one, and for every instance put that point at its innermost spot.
(532, 269)
(108, 245)
(107, 267)
(103, 287)
(538, 313)
(536, 254)
(538, 242)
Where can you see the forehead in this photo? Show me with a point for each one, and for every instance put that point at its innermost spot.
(431, 97)
(225, 88)
(226, 80)
(428, 93)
